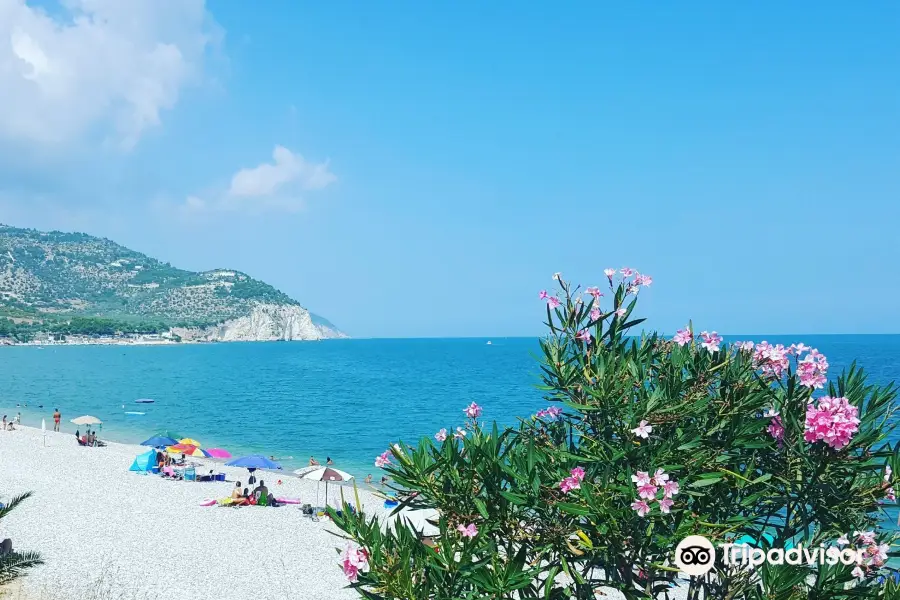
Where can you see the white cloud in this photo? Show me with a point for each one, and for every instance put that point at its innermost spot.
(275, 186)
(286, 168)
(70, 73)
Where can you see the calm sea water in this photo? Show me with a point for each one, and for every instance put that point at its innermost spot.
(347, 399)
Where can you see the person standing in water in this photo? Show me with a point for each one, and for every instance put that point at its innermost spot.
(56, 418)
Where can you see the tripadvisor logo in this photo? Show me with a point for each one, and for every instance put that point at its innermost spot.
(695, 555)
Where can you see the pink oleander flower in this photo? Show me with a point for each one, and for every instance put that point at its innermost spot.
(594, 291)
(880, 554)
(831, 420)
(811, 371)
(665, 505)
(683, 336)
(441, 435)
(383, 460)
(609, 273)
(627, 271)
(865, 538)
(552, 302)
(641, 507)
(644, 280)
(744, 346)
(354, 560)
(632, 289)
(670, 488)
(641, 478)
(468, 531)
(843, 541)
(888, 472)
(577, 473)
(890, 494)
(621, 312)
(647, 491)
(568, 484)
(595, 314)
(710, 341)
(473, 411)
(543, 295)
(460, 433)
(797, 349)
(772, 360)
(660, 477)
(643, 430)
(552, 413)
(584, 335)
(776, 428)
(858, 572)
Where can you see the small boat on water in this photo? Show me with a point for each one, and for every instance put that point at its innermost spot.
(144, 401)
(133, 413)
(489, 342)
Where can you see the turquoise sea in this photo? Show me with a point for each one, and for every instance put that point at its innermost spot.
(347, 399)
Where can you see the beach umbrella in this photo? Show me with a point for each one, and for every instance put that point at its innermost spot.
(254, 461)
(181, 449)
(159, 441)
(325, 474)
(218, 453)
(199, 453)
(44, 430)
(420, 520)
(86, 420)
(190, 441)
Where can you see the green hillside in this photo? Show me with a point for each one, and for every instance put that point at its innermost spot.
(47, 279)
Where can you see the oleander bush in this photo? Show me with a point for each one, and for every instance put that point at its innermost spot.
(15, 564)
(646, 440)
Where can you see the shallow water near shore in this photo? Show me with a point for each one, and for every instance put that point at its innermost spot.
(347, 399)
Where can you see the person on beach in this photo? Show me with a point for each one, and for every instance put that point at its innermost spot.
(4, 422)
(368, 479)
(56, 418)
(260, 490)
(313, 462)
(236, 492)
(18, 418)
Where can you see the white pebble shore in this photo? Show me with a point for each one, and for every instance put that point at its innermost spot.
(109, 534)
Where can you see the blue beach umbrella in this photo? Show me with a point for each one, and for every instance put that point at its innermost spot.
(254, 461)
(159, 441)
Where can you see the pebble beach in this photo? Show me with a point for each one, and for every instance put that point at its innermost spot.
(109, 534)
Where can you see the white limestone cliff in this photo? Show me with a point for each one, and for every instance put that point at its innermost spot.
(265, 323)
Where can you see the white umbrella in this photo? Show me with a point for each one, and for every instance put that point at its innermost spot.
(44, 430)
(418, 520)
(325, 474)
(87, 420)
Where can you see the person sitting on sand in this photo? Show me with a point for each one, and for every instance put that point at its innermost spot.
(312, 461)
(368, 479)
(261, 490)
(236, 492)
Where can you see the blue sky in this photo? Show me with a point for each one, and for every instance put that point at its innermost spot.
(440, 162)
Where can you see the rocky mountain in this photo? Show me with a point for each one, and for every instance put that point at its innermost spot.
(76, 283)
